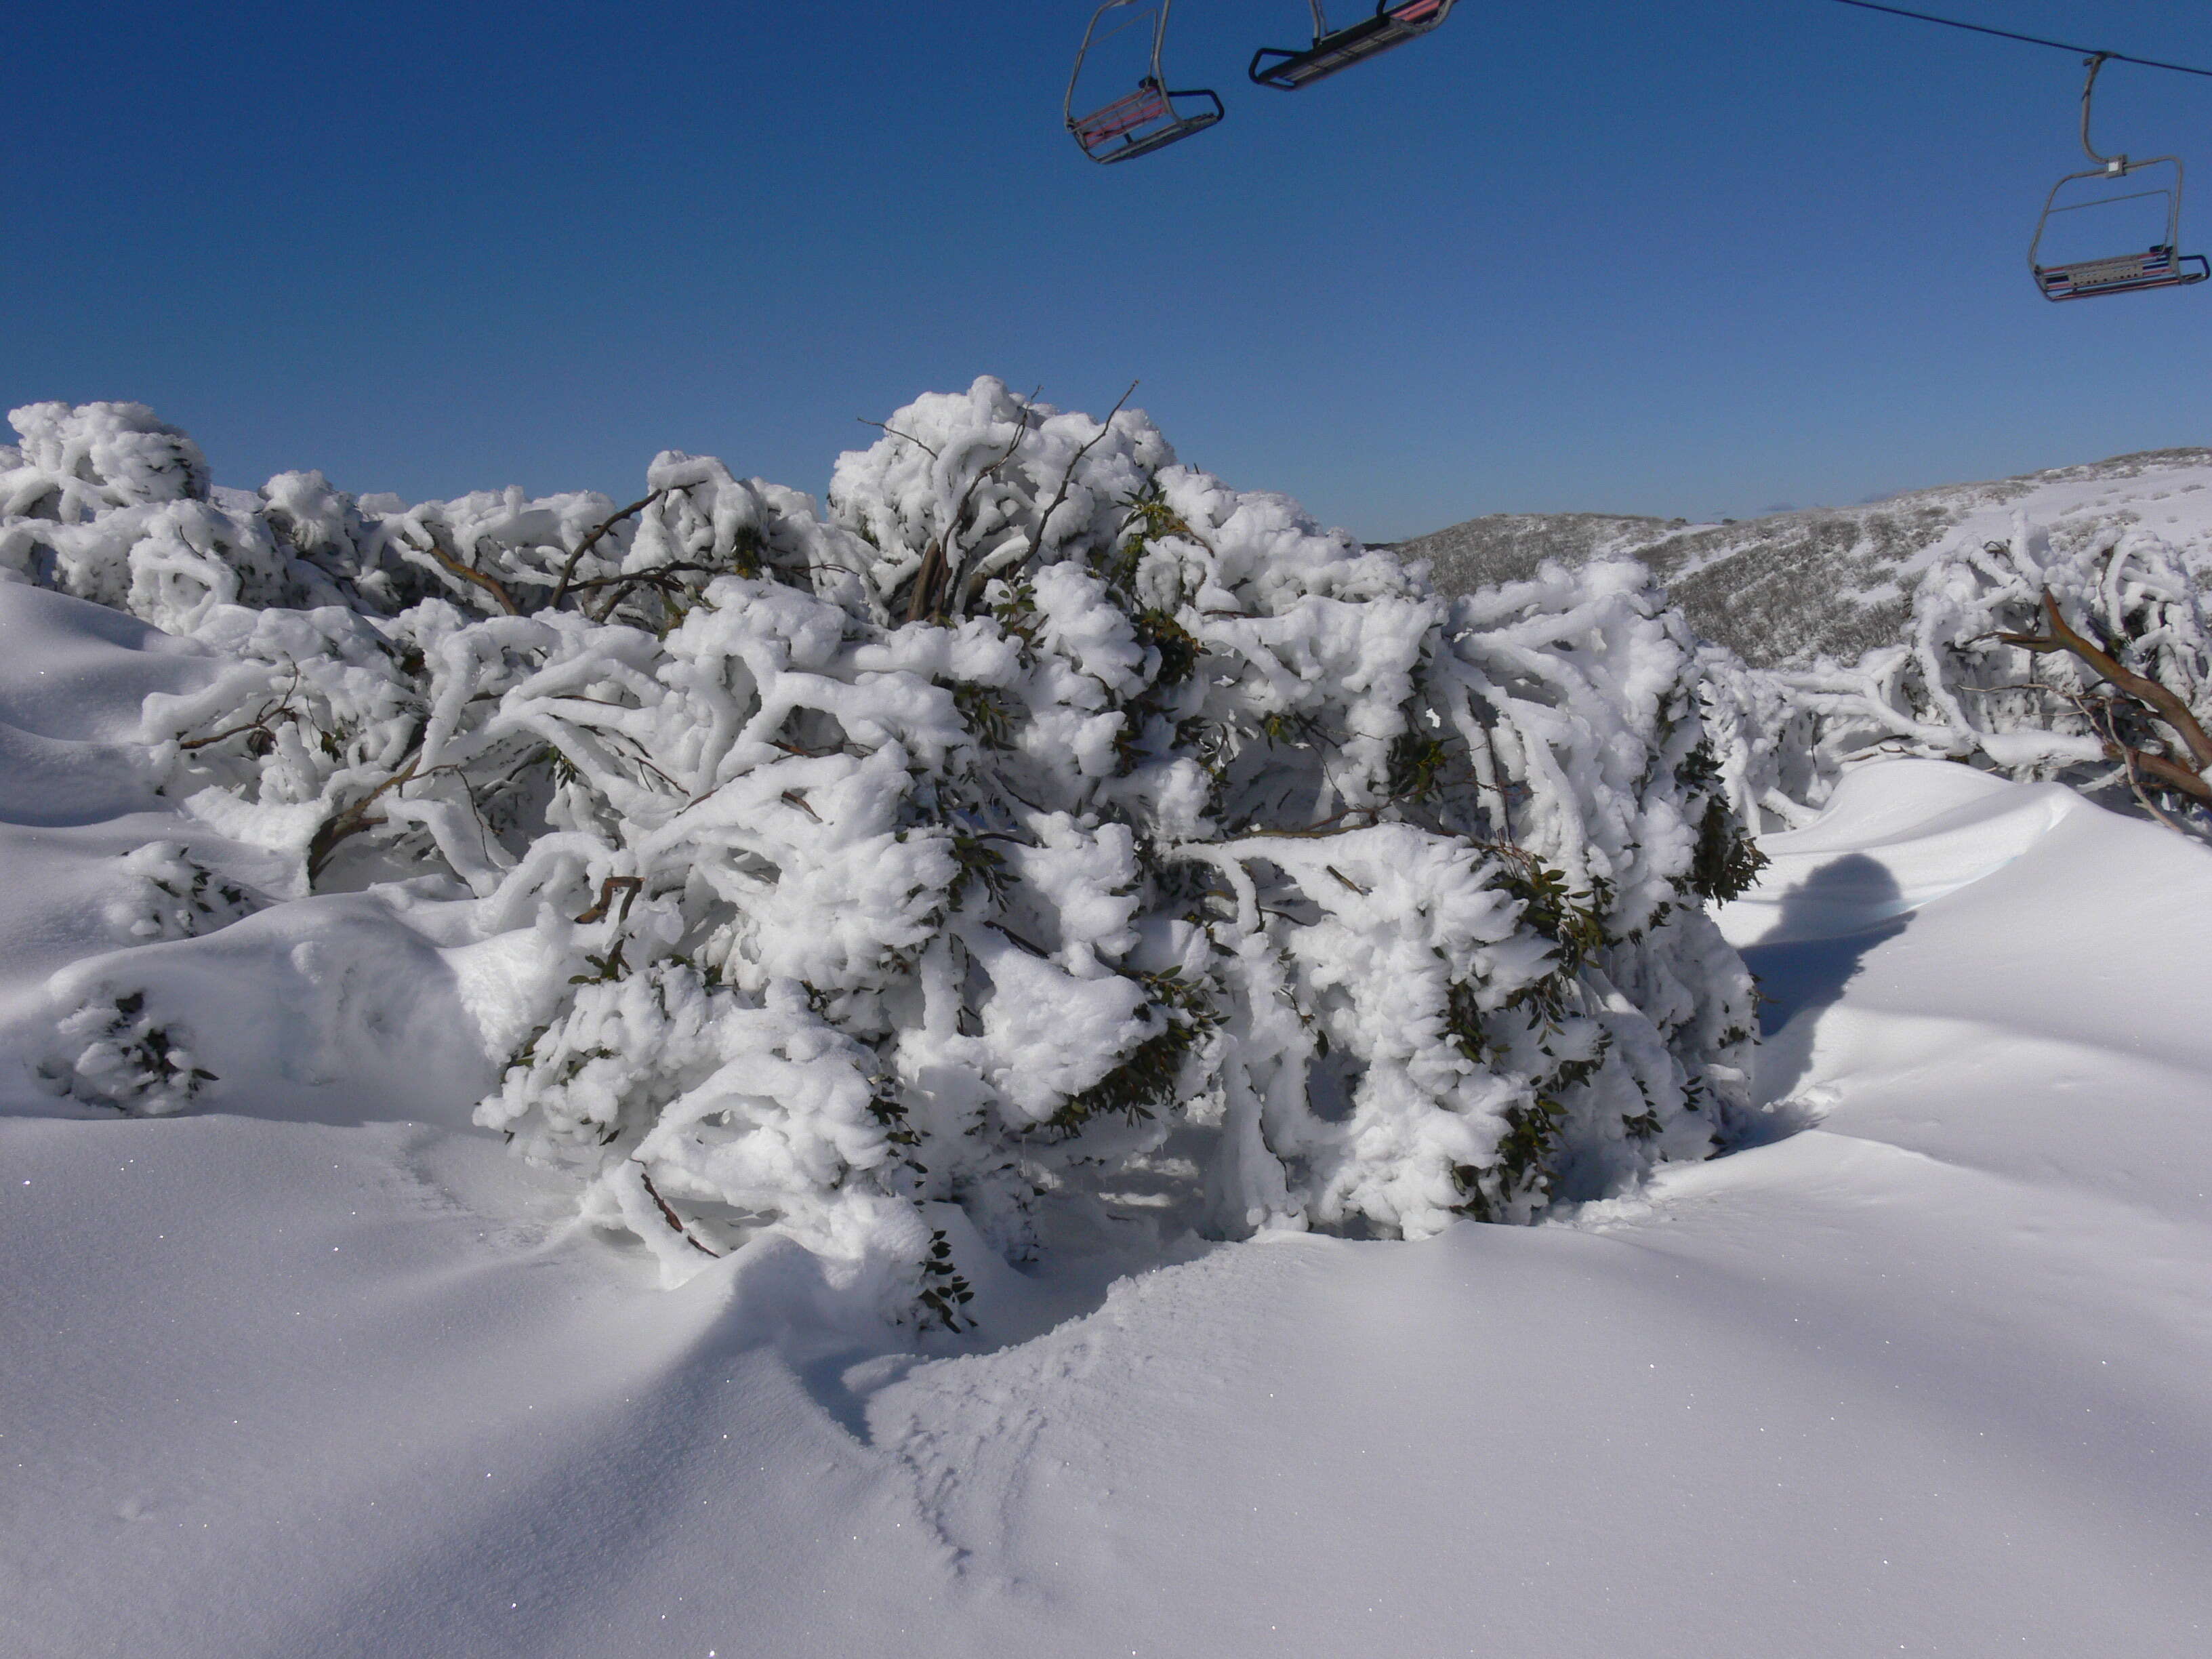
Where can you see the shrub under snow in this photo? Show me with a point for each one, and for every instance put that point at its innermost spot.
(1047, 810)
(1957, 688)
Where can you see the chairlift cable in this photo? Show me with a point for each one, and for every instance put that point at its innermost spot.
(2031, 39)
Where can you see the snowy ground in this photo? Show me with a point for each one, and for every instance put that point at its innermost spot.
(1930, 1372)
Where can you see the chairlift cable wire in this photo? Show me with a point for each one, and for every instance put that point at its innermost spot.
(2031, 39)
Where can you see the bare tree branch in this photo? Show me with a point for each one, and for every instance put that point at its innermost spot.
(1000, 561)
(353, 820)
(669, 1215)
(628, 887)
(568, 570)
(2168, 707)
(451, 564)
(895, 433)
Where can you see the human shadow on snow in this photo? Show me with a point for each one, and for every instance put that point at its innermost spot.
(1817, 945)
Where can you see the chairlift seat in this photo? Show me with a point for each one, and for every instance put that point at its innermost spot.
(2157, 267)
(1117, 131)
(1394, 22)
(1149, 119)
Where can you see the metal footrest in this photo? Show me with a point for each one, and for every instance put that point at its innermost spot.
(1390, 26)
(2127, 273)
(1116, 133)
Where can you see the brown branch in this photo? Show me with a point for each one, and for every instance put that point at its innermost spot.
(352, 821)
(1015, 939)
(2101, 717)
(280, 704)
(895, 433)
(1066, 478)
(662, 576)
(1327, 826)
(962, 510)
(259, 723)
(928, 581)
(453, 564)
(809, 754)
(2172, 773)
(628, 887)
(2142, 796)
(2176, 775)
(669, 1215)
(2168, 707)
(561, 588)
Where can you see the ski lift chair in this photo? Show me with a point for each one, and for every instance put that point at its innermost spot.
(1394, 22)
(2156, 266)
(1142, 121)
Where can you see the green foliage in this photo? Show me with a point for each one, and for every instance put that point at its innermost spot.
(1572, 1073)
(195, 892)
(883, 1106)
(1699, 770)
(1573, 922)
(746, 551)
(1291, 727)
(562, 769)
(1463, 1019)
(1178, 647)
(1149, 518)
(984, 711)
(1417, 764)
(1016, 614)
(147, 1066)
(1520, 1168)
(604, 968)
(1146, 1079)
(944, 1294)
(979, 861)
(1727, 862)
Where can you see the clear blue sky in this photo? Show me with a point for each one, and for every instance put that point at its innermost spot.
(1700, 258)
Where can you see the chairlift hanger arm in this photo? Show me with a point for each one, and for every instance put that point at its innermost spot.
(1089, 33)
(2116, 165)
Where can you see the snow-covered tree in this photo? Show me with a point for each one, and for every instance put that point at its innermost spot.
(1043, 808)
(2084, 657)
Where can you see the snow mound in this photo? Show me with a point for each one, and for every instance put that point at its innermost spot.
(1896, 834)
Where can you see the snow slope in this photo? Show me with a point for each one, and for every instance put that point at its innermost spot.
(328, 1371)
(1783, 589)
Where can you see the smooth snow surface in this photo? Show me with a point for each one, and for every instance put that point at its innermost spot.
(1929, 1372)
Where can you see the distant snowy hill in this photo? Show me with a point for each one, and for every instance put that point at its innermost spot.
(1782, 590)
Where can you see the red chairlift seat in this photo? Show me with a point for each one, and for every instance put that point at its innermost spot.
(1142, 121)
(2156, 266)
(1394, 22)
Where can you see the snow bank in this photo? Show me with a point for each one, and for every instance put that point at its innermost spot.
(1046, 809)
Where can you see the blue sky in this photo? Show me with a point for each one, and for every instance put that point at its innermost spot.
(1701, 259)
